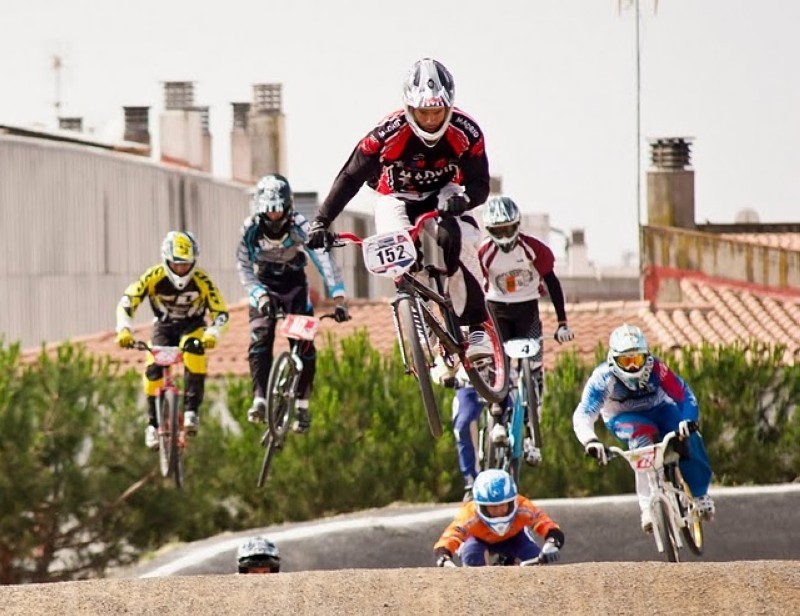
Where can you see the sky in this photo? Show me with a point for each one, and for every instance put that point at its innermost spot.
(552, 83)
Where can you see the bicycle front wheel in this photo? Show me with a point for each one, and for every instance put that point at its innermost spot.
(489, 376)
(163, 406)
(175, 436)
(271, 445)
(410, 338)
(665, 531)
(692, 530)
(532, 402)
(280, 394)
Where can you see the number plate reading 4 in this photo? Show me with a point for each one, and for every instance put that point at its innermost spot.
(299, 327)
(389, 254)
(521, 347)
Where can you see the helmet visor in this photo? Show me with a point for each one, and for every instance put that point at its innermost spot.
(497, 511)
(631, 362)
(503, 232)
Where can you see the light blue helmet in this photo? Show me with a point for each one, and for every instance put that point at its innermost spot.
(495, 487)
(629, 356)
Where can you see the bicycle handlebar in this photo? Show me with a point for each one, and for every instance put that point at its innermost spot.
(617, 452)
(344, 238)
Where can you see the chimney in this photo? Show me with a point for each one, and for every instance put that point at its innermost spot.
(241, 157)
(73, 123)
(137, 120)
(185, 136)
(266, 129)
(670, 183)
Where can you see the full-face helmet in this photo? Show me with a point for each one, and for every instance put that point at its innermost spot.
(179, 252)
(629, 356)
(258, 555)
(495, 494)
(501, 219)
(428, 86)
(273, 202)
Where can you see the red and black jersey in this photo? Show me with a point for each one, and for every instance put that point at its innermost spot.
(391, 159)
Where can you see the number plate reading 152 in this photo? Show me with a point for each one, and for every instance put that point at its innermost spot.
(389, 254)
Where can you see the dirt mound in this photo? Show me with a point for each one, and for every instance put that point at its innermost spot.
(758, 587)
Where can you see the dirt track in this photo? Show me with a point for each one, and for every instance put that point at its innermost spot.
(757, 587)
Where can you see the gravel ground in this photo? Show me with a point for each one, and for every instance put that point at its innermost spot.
(755, 587)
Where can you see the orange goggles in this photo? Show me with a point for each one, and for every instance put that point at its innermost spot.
(631, 363)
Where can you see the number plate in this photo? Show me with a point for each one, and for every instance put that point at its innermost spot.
(166, 356)
(389, 254)
(522, 347)
(300, 327)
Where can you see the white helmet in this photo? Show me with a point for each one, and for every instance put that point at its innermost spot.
(428, 84)
(178, 248)
(501, 219)
(629, 356)
(258, 553)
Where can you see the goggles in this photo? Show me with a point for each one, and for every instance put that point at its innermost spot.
(631, 362)
(504, 231)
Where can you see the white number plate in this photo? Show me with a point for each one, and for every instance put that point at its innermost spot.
(522, 347)
(300, 327)
(389, 254)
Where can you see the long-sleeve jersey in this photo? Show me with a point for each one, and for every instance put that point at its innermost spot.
(279, 264)
(170, 305)
(521, 274)
(605, 395)
(394, 161)
(467, 523)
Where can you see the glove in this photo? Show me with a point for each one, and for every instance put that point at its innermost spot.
(454, 206)
(685, 428)
(318, 235)
(340, 313)
(563, 333)
(444, 558)
(265, 306)
(125, 338)
(550, 553)
(597, 450)
(209, 340)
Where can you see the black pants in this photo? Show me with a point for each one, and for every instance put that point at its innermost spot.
(520, 320)
(262, 342)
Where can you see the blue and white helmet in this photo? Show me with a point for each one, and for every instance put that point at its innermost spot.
(629, 356)
(428, 84)
(495, 487)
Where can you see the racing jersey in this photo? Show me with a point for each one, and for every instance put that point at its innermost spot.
(392, 160)
(170, 305)
(605, 395)
(279, 264)
(468, 523)
(517, 275)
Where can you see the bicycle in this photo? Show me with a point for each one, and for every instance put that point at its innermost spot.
(521, 407)
(284, 377)
(672, 507)
(419, 329)
(172, 440)
(496, 559)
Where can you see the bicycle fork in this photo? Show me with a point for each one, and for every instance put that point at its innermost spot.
(661, 494)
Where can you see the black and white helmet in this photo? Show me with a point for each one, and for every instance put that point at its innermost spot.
(179, 248)
(258, 553)
(428, 84)
(501, 219)
(273, 195)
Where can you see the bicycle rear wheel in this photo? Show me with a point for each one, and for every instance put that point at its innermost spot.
(693, 530)
(269, 442)
(410, 338)
(280, 393)
(175, 436)
(489, 376)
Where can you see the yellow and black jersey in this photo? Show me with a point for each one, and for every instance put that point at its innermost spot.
(170, 305)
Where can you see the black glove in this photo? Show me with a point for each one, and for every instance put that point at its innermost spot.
(265, 306)
(340, 313)
(597, 450)
(443, 557)
(318, 235)
(454, 206)
(686, 427)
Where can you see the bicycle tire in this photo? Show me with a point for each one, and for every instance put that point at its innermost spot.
(665, 532)
(532, 402)
(175, 450)
(410, 338)
(162, 416)
(693, 532)
(280, 394)
(268, 441)
(497, 373)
